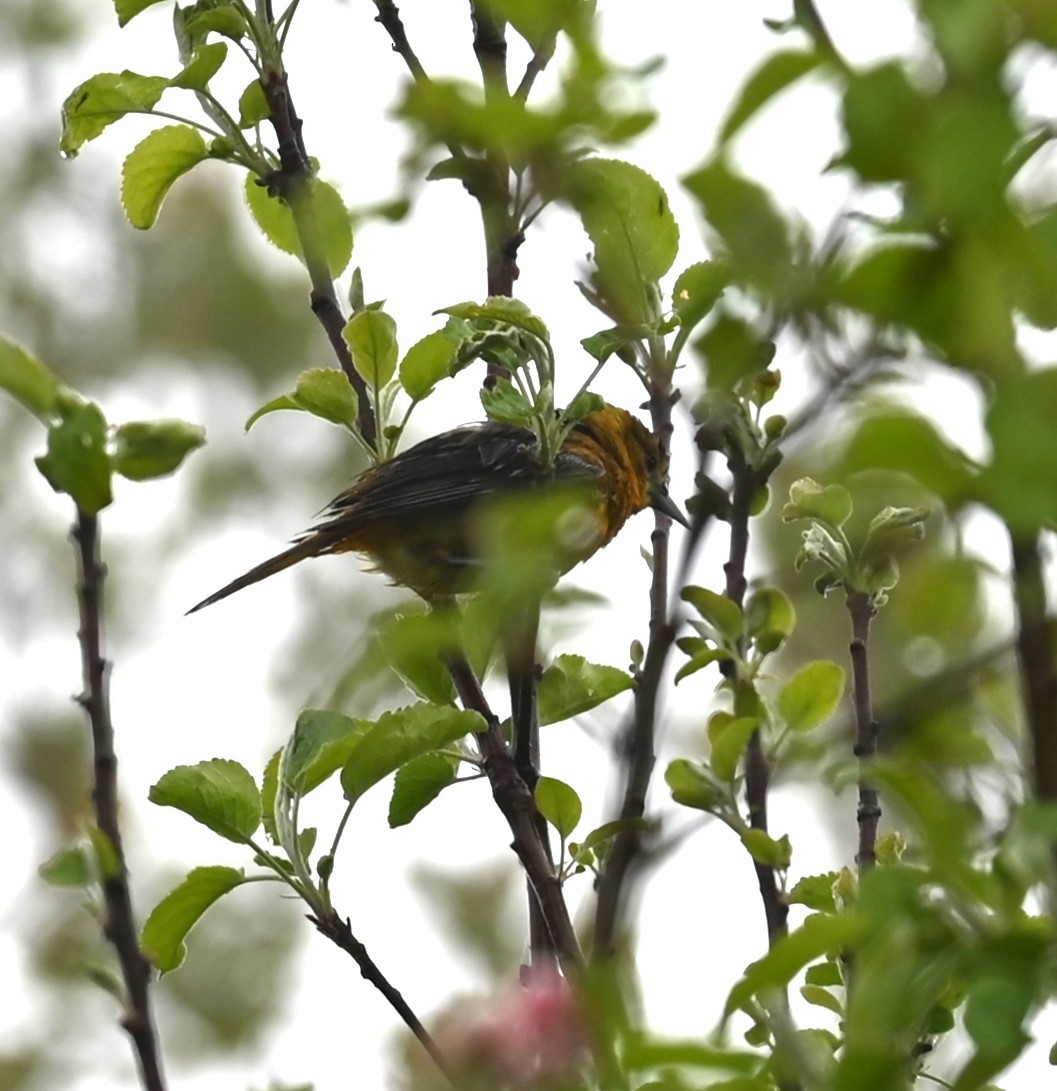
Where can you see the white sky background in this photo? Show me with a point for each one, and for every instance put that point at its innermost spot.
(214, 669)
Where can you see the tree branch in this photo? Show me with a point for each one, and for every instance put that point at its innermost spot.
(389, 17)
(119, 924)
(339, 932)
(516, 802)
(638, 744)
(539, 60)
(292, 184)
(1035, 655)
(862, 610)
(757, 768)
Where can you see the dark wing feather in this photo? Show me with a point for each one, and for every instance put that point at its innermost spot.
(446, 474)
(437, 479)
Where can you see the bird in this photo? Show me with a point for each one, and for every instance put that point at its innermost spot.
(417, 516)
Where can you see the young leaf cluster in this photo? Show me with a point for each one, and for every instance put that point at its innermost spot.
(84, 451)
(871, 568)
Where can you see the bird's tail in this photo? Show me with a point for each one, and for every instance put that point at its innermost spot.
(297, 552)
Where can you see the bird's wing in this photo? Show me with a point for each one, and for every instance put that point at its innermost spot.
(448, 473)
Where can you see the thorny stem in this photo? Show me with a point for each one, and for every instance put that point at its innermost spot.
(515, 801)
(1035, 654)
(339, 932)
(119, 924)
(292, 183)
(862, 610)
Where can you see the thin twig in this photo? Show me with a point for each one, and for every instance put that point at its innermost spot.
(1038, 668)
(503, 235)
(522, 671)
(339, 932)
(292, 183)
(518, 807)
(757, 767)
(638, 744)
(119, 925)
(862, 610)
(537, 63)
(389, 17)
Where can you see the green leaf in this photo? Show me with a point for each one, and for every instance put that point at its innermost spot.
(809, 500)
(723, 614)
(398, 737)
(703, 657)
(816, 892)
(698, 289)
(821, 998)
(504, 402)
(74, 866)
(276, 221)
(693, 786)
(324, 392)
(204, 64)
(129, 9)
(774, 75)
(253, 105)
(735, 354)
(618, 340)
(148, 449)
(153, 166)
(283, 401)
(498, 311)
(77, 462)
(826, 973)
(27, 380)
(414, 645)
(269, 792)
(877, 104)
(417, 784)
(180, 910)
(729, 736)
(819, 936)
(891, 530)
(756, 235)
(327, 393)
(812, 695)
(765, 849)
(571, 685)
(1018, 484)
(995, 1011)
(108, 863)
(219, 793)
(371, 335)
(600, 835)
(319, 746)
(559, 804)
(426, 363)
(223, 19)
(100, 101)
(909, 444)
(537, 21)
(769, 619)
(625, 212)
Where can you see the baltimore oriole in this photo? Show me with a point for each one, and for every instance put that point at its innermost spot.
(414, 516)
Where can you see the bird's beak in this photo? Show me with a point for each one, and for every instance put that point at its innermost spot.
(662, 502)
